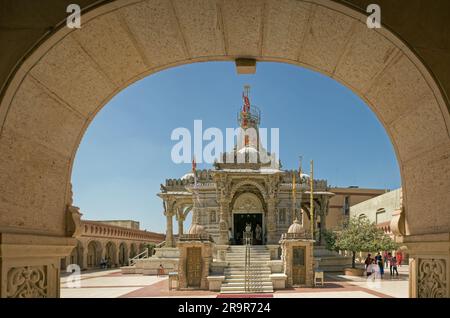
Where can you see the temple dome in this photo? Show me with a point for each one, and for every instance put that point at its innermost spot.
(304, 176)
(196, 229)
(248, 149)
(296, 227)
(187, 176)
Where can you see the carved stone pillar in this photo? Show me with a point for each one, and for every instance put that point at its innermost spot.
(429, 265)
(84, 264)
(323, 219)
(271, 222)
(169, 229)
(223, 224)
(180, 225)
(30, 264)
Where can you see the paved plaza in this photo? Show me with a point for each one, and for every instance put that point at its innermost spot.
(114, 284)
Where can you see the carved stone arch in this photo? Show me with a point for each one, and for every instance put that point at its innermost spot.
(186, 212)
(238, 185)
(248, 202)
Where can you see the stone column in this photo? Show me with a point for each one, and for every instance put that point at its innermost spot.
(84, 265)
(223, 224)
(271, 222)
(180, 225)
(429, 265)
(169, 230)
(323, 219)
(30, 264)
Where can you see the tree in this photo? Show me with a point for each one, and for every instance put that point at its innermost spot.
(360, 235)
(330, 240)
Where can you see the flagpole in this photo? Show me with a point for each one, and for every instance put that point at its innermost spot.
(311, 198)
(300, 182)
(294, 195)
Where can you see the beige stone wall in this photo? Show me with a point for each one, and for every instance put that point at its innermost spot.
(336, 213)
(130, 224)
(388, 202)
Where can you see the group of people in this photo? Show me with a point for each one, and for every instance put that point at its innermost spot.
(105, 263)
(375, 266)
(248, 229)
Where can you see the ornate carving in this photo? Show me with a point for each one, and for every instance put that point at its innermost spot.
(248, 202)
(272, 186)
(73, 217)
(432, 280)
(27, 282)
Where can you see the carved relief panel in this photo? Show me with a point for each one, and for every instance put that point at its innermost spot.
(27, 282)
(194, 266)
(432, 278)
(298, 265)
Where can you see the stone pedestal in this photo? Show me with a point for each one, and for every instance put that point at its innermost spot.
(274, 251)
(288, 246)
(429, 268)
(196, 267)
(221, 252)
(29, 265)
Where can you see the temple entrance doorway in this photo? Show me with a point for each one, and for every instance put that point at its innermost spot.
(240, 221)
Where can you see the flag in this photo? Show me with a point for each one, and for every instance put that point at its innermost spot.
(194, 171)
(294, 196)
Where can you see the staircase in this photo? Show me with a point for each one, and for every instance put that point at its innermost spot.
(258, 273)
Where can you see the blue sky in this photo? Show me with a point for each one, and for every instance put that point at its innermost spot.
(126, 152)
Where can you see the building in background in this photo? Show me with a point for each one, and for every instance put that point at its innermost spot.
(342, 201)
(116, 241)
(380, 210)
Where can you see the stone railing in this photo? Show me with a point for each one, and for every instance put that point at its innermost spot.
(295, 236)
(195, 237)
(98, 229)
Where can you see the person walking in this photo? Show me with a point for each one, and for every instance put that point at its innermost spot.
(367, 262)
(399, 257)
(160, 271)
(379, 261)
(386, 259)
(393, 266)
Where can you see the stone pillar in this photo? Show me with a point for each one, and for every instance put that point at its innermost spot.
(84, 265)
(169, 230)
(30, 264)
(429, 265)
(223, 224)
(271, 222)
(180, 225)
(323, 219)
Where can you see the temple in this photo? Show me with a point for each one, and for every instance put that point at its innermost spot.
(246, 185)
(247, 205)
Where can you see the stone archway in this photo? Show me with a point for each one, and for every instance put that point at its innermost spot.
(94, 254)
(111, 254)
(64, 82)
(133, 250)
(123, 254)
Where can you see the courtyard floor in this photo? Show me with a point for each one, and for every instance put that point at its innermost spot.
(114, 284)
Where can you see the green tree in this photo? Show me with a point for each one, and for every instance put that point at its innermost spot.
(330, 240)
(360, 235)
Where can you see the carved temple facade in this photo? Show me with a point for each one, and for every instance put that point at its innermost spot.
(246, 186)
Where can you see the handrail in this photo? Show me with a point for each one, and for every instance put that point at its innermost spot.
(160, 244)
(141, 255)
(247, 270)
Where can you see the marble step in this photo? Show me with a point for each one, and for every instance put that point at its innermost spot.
(241, 290)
